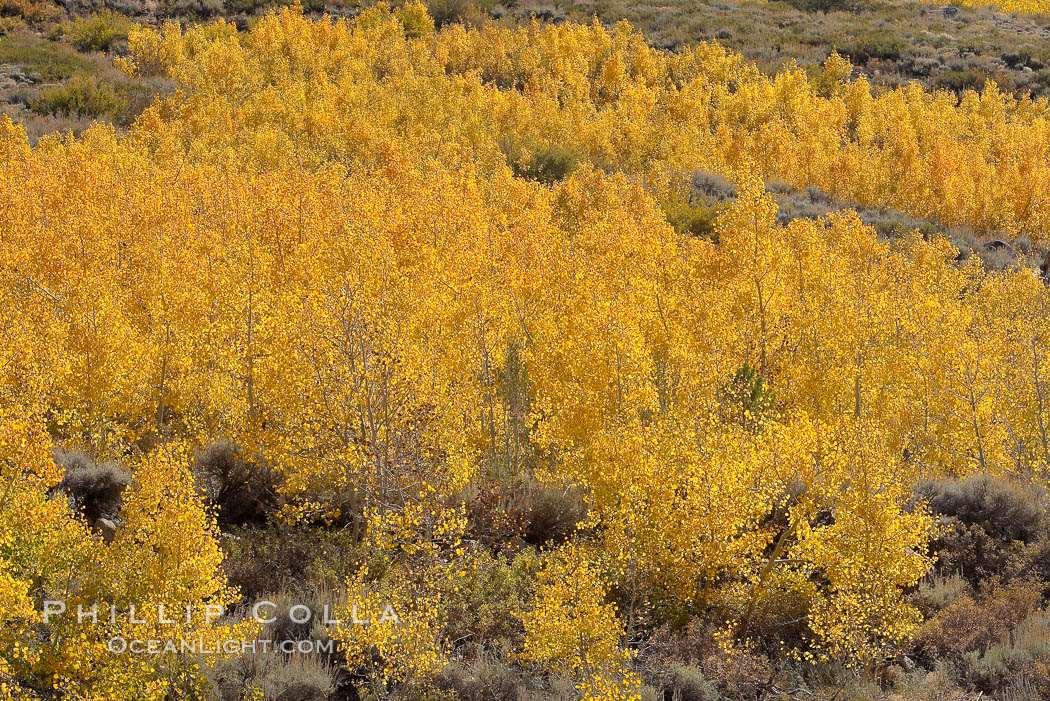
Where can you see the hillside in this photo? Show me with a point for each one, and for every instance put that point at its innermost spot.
(519, 359)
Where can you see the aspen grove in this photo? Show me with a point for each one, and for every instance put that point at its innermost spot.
(339, 246)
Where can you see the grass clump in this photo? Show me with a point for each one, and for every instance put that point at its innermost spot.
(50, 60)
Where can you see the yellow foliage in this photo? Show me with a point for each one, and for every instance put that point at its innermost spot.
(572, 632)
(318, 248)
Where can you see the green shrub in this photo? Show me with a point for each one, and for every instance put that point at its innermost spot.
(481, 605)
(509, 516)
(712, 187)
(94, 489)
(282, 558)
(1042, 78)
(827, 5)
(689, 684)
(453, 11)
(252, 6)
(1003, 509)
(970, 625)
(1023, 652)
(547, 165)
(487, 677)
(287, 624)
(1020, 60)
(694, 220)
(193, 8)
(878, 46)
(960, 81)
(99, 31)
(82, 96)
(938, 592)
(976, 556)
(553, 515)
(495, 513)
(242, 490)
(747, 398)
(273, 677)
